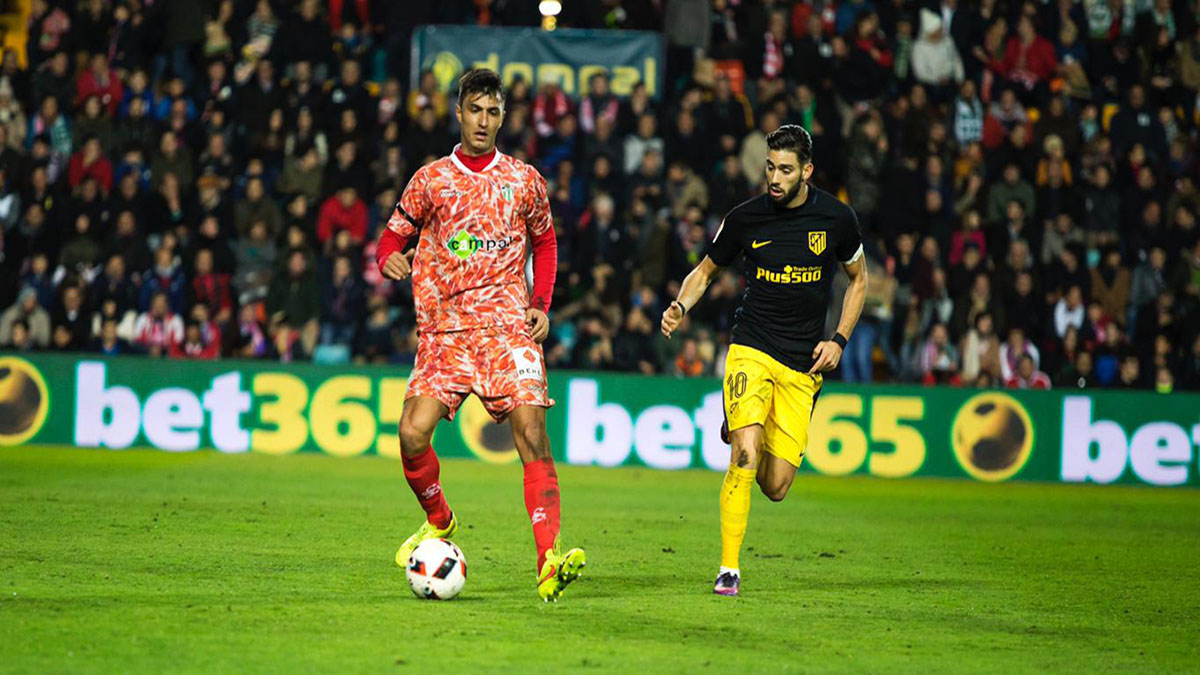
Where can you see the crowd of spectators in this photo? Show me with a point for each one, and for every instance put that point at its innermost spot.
(203, 179)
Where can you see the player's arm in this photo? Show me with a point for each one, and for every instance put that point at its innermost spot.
(540, 224)
(724, 248)
(403, 227)
(828, 353)
(693, 288)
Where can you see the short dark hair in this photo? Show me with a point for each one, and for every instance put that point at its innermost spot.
(480, 81)
(792, 137)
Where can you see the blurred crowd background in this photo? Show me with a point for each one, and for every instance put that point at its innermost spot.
(206, 179)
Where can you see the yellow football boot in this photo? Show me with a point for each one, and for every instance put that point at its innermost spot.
(558, 571)
(427, 531)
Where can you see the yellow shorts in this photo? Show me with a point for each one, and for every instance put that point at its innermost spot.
(761, 390)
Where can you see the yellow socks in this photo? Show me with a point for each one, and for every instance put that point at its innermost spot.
(735, 512)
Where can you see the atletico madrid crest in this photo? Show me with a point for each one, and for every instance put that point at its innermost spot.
(816, 242)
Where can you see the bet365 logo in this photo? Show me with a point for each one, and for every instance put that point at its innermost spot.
(464, 244)
(992, 436)
(24, 400)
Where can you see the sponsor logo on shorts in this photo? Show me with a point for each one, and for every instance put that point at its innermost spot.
(529, 365)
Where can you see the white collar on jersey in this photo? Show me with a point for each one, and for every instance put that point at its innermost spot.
(458, 162)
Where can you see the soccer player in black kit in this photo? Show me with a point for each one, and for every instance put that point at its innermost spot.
(793, 239)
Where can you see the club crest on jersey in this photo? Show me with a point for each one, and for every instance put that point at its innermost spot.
(507, 193)
(816, 242)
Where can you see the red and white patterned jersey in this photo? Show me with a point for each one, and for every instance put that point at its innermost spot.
(475, 229)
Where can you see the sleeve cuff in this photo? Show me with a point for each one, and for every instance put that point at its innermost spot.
(854, 258)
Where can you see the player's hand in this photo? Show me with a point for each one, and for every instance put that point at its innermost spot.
(398, 266)
(539, 324)
(671, 317)
(826, 357)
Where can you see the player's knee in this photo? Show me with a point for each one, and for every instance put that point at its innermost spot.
(533, 441)
(413, 438)
(775, 493)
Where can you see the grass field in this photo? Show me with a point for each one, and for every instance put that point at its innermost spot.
(150, 562)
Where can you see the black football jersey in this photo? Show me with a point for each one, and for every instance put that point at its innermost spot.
(790, 258)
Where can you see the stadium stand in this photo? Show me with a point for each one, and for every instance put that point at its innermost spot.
(203, 179)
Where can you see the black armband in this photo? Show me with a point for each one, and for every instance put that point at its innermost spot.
(839, 340)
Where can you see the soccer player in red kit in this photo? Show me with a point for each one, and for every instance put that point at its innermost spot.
(474, 214)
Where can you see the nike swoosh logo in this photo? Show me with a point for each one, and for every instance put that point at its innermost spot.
(760, 244)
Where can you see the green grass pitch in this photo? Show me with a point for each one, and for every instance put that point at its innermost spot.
(144, 561)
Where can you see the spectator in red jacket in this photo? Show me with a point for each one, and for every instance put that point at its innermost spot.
(90, 161)
(1028, 62)
(211, 288)
(549, 107)
(194, 345)
(1026, 376)
(600, 103)
(158, 330)
(98, 80)
(343, 211)
(869, 38)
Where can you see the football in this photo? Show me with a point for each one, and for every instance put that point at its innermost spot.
(437, 570)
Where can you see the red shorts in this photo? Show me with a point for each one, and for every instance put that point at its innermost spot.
(502, 365)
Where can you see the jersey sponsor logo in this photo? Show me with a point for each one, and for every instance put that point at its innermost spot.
(760, 244)
(790, 275)
(816, 242)
(529, 366)
(464, 244)
(449, 192)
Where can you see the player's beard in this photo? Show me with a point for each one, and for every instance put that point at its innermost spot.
(789, 195)
(479, 146)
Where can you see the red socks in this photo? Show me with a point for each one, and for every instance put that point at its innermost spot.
(541, 501)
(422, 474)
(541, 497)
